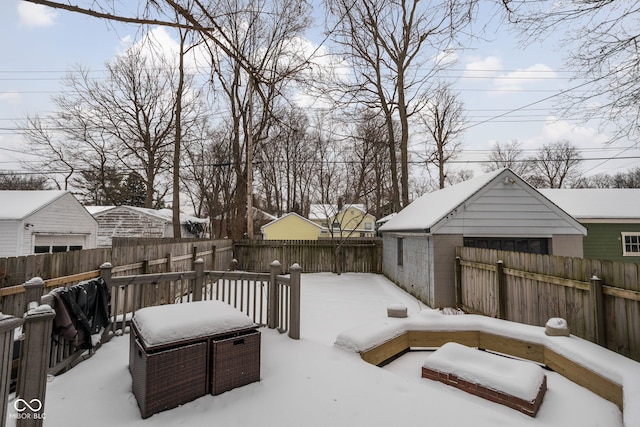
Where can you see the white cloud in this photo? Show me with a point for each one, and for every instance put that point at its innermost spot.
(10, 97)
(487, 67)
(515, 80)
(35, 15)
(556, 129)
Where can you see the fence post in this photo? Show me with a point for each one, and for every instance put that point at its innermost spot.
(34, 289)
(458, 281)
(169, 266)
(501, 291)
(294, 308)
(198, 266)
(213, 258)
(273, 297)
(597, 309)
(34, 363)
(7, 326)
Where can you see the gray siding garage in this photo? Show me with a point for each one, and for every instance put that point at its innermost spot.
(495, 210)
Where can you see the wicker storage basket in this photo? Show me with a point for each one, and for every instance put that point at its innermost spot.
(169, 378)
(235, 361)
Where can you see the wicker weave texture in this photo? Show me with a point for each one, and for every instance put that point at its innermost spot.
(169, 378)
(235, 361)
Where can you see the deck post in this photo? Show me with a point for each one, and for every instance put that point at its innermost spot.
(294, 307)
(34, 289)
(8, 324)
(273, 296)
(34, 365)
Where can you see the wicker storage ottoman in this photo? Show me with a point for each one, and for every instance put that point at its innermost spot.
(168, 378)
(170, 357)
(235, 361)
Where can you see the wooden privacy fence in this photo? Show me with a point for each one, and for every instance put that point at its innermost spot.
(351, 255)
(124, 251)
(600, 299)
(270, 299)
(132, 259)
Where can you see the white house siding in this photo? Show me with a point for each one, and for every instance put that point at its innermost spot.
(417, 271)
(10, 235)
(64, 219)
(507, 210)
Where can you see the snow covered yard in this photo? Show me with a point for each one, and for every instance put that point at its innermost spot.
(311, 382)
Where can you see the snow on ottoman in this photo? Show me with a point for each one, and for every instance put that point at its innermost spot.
(514, 383)
(170, 350)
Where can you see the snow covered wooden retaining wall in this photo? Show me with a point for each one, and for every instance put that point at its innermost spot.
(613, 377)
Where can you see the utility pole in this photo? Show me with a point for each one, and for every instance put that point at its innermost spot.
(250, 162)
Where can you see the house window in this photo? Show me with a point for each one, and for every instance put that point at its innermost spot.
(368, 226)
(400, 251)
(631, 244)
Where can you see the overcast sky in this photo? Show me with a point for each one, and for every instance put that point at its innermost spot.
(509, 91)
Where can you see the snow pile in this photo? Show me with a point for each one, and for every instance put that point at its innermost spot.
(176, 322)
(515, 377)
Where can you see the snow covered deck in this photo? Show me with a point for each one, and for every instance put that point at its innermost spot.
(607, 374)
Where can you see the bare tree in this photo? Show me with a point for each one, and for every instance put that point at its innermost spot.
(629, 179)
(508, 155)
(367, 165)
(444, 118)
(261, 33)
(209, 179)
(394, 47)
(555, 165)
(284, 163)
(125, 122)
(601, 43)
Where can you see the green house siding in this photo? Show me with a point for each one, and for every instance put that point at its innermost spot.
(604, 241)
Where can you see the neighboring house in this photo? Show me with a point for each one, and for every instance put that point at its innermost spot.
(44, 221)
(611, 216)
(349, 221)
(497, 210)
(131, 221)
(291, 226)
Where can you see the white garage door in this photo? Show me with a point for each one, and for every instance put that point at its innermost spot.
(49, 243)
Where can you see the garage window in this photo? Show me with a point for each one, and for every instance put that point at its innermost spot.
(529, 245)
(55, 243)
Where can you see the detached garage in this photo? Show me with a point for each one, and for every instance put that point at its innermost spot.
(498, 210)
(34, 222)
